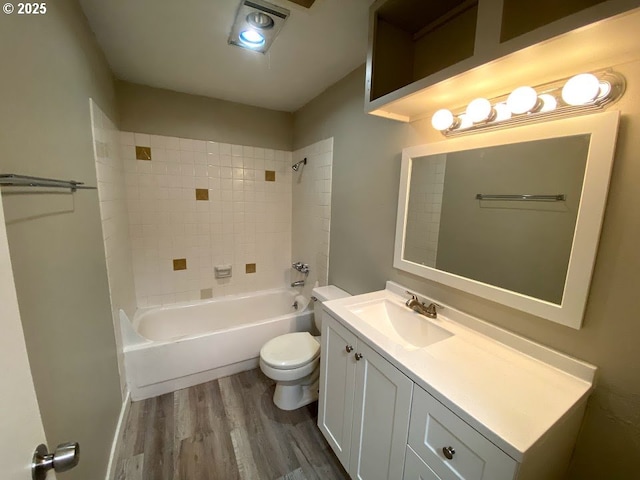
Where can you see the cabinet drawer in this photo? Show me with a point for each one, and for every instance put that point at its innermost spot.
(435, 428)
(416, 469)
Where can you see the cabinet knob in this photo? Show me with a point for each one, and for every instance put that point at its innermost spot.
(358, 356)
(349, 348)
(448, 452)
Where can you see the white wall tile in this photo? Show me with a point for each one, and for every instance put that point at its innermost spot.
(114, 183)
(167, 222)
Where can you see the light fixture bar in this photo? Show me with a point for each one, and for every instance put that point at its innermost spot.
(578, 95)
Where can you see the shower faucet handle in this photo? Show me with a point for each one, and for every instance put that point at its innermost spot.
(301, 267)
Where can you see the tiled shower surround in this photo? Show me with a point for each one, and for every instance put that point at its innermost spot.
(115, 225)
(425, 205)
(312, 210)
(205, 204)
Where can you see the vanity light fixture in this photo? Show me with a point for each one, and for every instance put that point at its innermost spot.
(578, 95)
(256, 25)
(443, 119)
(523, 100)
(549, 103)
(480, 110)
(581, 89)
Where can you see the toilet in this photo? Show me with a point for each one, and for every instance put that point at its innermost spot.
(293, 359)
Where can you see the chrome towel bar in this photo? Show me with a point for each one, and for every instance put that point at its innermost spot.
(532, 198)
(13, 180)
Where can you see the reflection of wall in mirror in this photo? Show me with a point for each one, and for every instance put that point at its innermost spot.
(522, 246)
(425, 203)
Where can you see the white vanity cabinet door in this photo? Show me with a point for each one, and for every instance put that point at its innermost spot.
(337, 385)
(472, 457)
(381, 418)
(416, 469)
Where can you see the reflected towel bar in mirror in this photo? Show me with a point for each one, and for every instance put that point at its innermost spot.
(13, 180)
(533, 198)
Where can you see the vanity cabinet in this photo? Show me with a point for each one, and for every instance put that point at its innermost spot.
(463, 407)
(364, 405)
(450, 448)
(415, 45)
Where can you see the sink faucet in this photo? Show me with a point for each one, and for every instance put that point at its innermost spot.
(427, 310)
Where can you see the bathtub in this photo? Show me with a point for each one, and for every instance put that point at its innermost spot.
(178, 346)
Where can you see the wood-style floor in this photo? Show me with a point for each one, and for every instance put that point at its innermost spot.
(227, 429)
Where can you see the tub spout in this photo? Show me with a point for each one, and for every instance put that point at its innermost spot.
(299, 283)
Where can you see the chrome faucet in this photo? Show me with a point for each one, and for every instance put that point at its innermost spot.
(427, 310)
(302, 268)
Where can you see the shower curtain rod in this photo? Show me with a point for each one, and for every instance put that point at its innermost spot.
(13, 180)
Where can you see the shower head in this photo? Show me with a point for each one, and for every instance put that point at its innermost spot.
(296, 166)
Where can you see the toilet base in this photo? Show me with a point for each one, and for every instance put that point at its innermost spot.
(294, 395)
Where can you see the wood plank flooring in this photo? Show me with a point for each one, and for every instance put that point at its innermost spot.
(227, 429)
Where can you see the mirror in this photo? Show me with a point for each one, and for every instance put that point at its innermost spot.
(513, 216)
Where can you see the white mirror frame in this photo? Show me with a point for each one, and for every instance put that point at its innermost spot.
(603, 129)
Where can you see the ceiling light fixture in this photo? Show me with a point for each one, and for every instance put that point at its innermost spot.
(251, 38)
(578, 95)
(256, 25)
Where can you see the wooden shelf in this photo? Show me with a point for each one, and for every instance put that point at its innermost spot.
(560, 49)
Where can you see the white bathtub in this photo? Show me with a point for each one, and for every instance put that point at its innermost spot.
(174, 347)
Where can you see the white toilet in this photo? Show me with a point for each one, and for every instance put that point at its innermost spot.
(293, 359)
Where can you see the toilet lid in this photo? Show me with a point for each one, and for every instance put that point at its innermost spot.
(291, 350)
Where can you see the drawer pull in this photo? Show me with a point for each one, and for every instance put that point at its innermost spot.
(349, 348)
(448, 452)
(358, 356)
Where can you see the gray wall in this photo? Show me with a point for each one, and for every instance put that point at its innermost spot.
(366, 171)
(521, 246)
(51, 65)
(164, 112)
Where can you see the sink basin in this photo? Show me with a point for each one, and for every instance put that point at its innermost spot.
(401, 325)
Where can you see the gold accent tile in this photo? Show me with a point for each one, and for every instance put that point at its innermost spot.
(202, 194)
(250, 268)
(179, 263)
(269, 176)
(143, 153)
(206, 293)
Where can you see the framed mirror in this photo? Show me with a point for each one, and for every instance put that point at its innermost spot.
(513, 216)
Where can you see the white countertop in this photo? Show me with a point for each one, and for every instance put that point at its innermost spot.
(508, 388)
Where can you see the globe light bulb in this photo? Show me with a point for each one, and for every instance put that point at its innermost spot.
(502, 112)
(549, 102)
(480, 110)
(581, 89)
(443, 120)
(465, 121)
(522, 100)
(605, 89)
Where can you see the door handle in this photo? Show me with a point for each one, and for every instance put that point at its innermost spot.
(66, 456)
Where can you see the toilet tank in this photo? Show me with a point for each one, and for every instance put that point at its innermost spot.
(324, 294)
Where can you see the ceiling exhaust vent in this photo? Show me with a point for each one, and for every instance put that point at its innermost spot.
(256, 25)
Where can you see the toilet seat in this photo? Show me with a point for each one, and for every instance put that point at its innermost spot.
(290, 351)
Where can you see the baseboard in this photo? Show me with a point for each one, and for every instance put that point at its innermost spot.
(124, 413)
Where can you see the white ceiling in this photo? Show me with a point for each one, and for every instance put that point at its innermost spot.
(182, 45)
